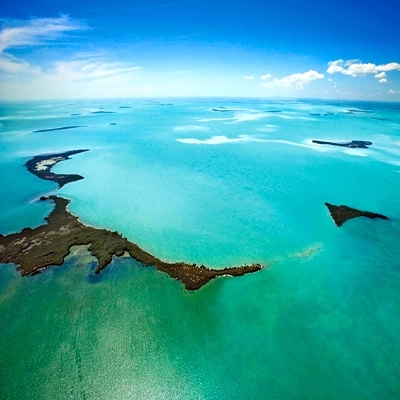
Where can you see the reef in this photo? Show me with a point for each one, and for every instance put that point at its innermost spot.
(41, 167)
(360, 144)
(34, 250)
(341, 214)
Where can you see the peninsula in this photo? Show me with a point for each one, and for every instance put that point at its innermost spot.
(341, 214)
(36, 249)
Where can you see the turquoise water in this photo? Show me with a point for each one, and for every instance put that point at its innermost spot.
(241, 184)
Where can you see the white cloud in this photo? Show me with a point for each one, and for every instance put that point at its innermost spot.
(265, 77)
(295, 80)
(356, 68)
(335, 67)
(36, 31)
(91, 69)
(93, 74)
(381, 75)
(249, 77)
(11, 64)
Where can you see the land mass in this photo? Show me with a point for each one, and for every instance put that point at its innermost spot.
(354, 144)
(33, 250)
(41, 167)
(341, 214)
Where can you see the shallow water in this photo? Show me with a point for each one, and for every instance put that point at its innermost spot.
(220, 182)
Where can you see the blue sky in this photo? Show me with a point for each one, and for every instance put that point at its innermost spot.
(322, 49)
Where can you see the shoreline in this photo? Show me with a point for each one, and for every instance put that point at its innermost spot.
(34, 250)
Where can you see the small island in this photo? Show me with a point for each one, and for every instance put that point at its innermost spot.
(341, 214)
(62, 128)
(41, 167)
(34, 250)
(354, 144)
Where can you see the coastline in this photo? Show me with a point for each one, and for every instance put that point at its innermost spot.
(36, 249)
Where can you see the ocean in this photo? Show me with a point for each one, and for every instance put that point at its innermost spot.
(219, 182)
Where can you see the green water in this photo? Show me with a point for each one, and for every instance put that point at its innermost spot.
(320, 321)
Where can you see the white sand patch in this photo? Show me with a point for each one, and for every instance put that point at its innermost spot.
(46, 164)
(191, 128)
(220, 140)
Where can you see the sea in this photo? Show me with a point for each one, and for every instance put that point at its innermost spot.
(220, 182)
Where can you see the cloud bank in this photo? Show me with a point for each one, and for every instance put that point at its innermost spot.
(356, 68)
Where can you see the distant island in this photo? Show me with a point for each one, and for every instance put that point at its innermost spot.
(61, 128)
(354, 144)
(34, 250)
(341, 214)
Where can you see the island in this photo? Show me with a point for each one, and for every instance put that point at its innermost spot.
(354, 144)
(62, 128)
(41, 167)
(34, 250)
(341, 214)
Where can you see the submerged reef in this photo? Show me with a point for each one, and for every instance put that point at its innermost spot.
(341, 214)
(33, 250)
(360, 144)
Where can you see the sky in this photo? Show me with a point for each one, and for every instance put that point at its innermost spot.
(54, 49)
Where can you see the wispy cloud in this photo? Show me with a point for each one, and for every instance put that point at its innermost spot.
(295, 80)
(265, 77)
(91, 69)
(74, 74)
(356, 68)
(249, 77)
(11, 64)
(35, 32)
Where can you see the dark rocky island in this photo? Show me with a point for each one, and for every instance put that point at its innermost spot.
(354, 144)
(41, 167)
(341, 214)
(36, 249)
(62, 128)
